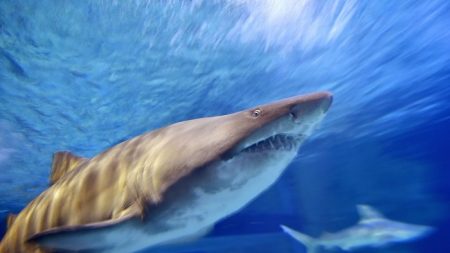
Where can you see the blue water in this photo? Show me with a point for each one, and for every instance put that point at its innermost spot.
(84, 75)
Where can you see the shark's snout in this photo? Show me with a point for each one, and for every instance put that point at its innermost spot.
(318, 103)
(308, 110)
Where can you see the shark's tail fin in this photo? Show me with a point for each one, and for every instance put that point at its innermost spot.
(309, 242)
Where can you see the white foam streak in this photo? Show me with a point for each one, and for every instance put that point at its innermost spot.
(289, 24)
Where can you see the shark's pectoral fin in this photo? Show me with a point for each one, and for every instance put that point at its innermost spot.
(87, 236)
(64, 162)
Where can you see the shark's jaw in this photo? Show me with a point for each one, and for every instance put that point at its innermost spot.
(279, 142)
(256, 162)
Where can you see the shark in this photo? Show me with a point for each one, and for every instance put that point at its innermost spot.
(372, 230)
(168, 185)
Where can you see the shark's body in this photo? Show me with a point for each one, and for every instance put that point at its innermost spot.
(373, 230)
(168, 185)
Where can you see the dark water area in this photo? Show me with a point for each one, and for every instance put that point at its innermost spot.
(85, 75)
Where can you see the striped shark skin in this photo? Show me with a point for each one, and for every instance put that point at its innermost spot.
(372, 230)
(165, 186)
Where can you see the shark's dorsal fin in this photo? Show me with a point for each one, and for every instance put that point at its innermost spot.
(367, 213)
(63, 162)
(10, 220)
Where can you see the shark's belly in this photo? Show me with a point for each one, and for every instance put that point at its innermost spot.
(356, 237)
(194, 205)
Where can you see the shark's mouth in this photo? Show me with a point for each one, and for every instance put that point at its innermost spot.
(279, 142)
(279, 137)
(273, 144)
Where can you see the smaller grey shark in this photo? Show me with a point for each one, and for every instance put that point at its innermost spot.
(373, 230)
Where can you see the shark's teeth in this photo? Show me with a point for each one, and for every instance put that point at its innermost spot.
(280, 142)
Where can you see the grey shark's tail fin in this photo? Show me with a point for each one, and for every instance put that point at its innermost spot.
(308, 241)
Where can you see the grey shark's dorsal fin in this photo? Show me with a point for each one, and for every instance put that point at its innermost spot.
(367, 213)
(63, 162)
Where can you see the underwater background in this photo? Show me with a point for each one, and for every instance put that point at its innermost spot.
(84, 75)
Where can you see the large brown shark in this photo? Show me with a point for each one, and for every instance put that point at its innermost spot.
(167, 185)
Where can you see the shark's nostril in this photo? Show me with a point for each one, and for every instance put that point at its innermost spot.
(294, 117)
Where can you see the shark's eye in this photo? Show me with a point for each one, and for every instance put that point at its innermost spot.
(256, 113)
